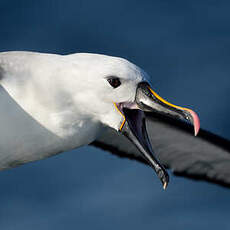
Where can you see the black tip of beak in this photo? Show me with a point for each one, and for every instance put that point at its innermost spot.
(164, 177)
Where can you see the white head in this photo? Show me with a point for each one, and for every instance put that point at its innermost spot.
(104, 82)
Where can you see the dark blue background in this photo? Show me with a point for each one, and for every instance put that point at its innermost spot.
(185, 47)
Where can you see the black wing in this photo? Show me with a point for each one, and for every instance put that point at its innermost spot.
(205, 157)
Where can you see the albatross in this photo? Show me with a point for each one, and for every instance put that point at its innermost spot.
(54, 103)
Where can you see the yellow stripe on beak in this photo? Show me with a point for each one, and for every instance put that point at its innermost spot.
(123, 122)
(166, 102)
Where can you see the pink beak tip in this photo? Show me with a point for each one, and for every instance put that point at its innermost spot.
(196, 122)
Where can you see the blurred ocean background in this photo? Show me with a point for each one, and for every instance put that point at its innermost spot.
(185, 48)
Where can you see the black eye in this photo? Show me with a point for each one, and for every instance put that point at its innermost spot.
(114, 81)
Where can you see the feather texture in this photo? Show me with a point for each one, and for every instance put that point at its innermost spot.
(205, 157)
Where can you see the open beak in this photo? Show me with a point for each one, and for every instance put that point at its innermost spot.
(134, 126)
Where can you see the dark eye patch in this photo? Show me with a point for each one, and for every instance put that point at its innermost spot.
(114, 81)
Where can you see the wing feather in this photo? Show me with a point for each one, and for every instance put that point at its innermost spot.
(205, 157)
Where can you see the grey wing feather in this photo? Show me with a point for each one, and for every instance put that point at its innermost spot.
(205, 157)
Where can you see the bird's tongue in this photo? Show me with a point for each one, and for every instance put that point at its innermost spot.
(135, 130)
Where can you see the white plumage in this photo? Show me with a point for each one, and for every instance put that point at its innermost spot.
(53, 103)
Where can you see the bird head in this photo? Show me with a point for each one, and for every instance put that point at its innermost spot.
(120, 93)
